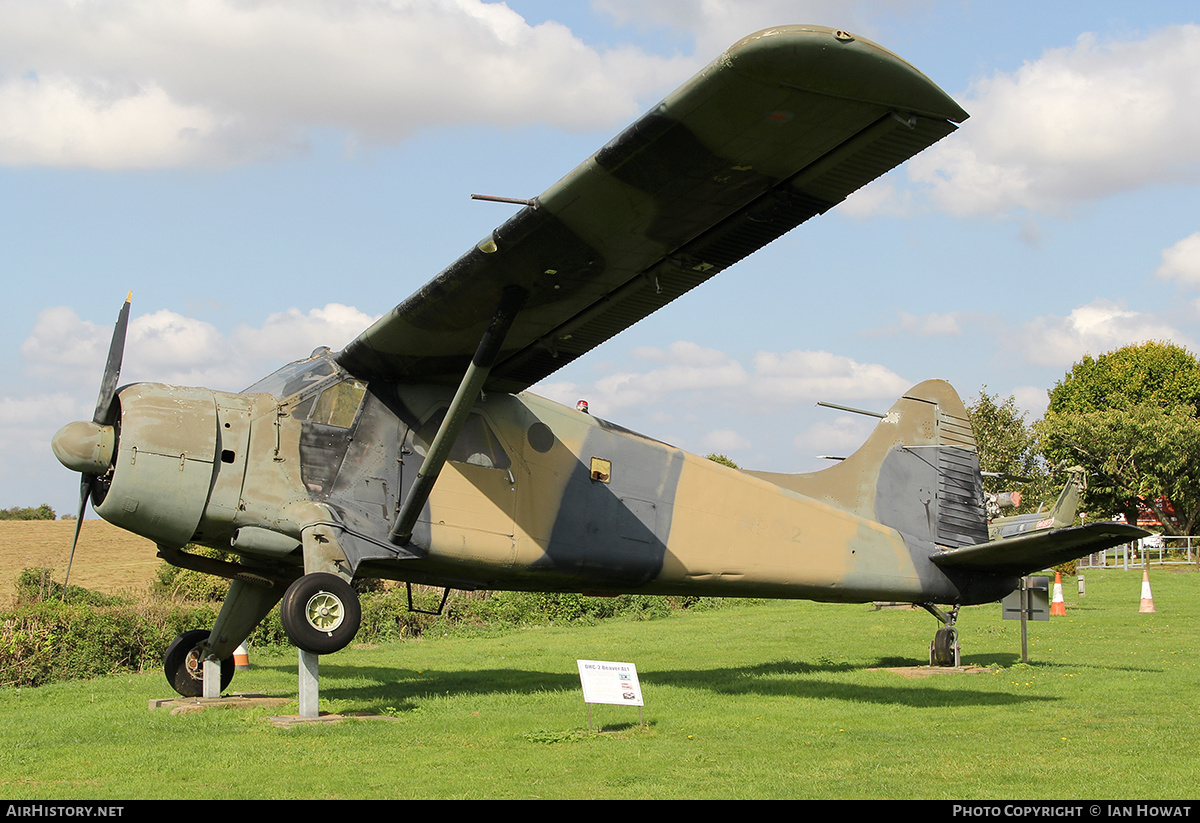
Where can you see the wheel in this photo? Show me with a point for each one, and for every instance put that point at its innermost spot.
(320, 613)
(185, 669)
(944, 645)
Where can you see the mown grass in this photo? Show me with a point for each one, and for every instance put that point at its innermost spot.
(787, 700)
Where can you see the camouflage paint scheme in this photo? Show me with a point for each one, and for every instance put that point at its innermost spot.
(311, 470)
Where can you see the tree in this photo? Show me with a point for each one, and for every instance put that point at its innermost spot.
(1132, 419)
(1008, 447)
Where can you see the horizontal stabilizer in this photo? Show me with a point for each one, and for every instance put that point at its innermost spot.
(1040, 550)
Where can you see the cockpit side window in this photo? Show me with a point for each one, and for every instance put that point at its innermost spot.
(338, 404)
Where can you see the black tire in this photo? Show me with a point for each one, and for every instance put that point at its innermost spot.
(320, 613)
(185, 670)
(943, 646)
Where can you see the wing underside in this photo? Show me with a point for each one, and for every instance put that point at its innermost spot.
(780, 128)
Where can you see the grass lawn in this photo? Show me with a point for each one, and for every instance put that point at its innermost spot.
(787, 700)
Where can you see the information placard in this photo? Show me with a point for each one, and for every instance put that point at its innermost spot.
(608, 682)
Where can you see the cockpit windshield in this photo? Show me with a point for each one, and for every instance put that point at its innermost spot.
(296, 377)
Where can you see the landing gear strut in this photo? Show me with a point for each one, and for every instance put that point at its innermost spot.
(944, 650)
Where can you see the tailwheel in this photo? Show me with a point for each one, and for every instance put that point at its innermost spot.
(184, 664)
(943, 651)
(320, 613)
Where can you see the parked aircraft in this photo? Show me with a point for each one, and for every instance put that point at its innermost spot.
(416, 454)
(1062, 514)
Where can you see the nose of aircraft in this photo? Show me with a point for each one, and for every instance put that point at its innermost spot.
(84, 447)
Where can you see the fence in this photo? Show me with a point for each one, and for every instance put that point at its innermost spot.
(1156, 550)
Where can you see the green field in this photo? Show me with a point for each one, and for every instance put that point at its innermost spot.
(783, 700)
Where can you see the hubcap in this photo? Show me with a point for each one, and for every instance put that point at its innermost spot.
(324, 612)
(194, 665)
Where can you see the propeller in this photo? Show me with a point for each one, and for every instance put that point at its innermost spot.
(88, 447)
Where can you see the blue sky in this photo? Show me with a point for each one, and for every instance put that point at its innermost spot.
(268, 176)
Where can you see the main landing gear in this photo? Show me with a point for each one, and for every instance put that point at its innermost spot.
(944, 650)
(320, 613)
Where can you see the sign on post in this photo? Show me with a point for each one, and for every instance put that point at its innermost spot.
(1036, 604)
(1030, 601)
(607, 682)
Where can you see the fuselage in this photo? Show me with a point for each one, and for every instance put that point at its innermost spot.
(534, 496)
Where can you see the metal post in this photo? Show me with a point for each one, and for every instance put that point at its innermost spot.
(211, 668)
(1024, 619)
(309, 685)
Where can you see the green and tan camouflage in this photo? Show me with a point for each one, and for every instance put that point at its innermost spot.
(417, 454)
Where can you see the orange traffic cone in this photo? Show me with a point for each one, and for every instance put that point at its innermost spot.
(1147, 597)
(241, 658)
(1058, 606)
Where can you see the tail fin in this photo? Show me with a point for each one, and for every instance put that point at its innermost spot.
(918, 472)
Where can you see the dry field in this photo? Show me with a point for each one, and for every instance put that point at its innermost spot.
(108, 559)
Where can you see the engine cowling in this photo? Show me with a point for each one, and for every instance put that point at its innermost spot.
(163, 466)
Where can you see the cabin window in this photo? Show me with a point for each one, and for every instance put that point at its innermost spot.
(476, 445)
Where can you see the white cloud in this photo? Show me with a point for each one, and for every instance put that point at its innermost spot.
(292, 334)
(1181, 262)
(724, 440)
(684, 368)
(1095, 329)
(1033, 400)
(167, 347)
(839, 437)
(686, 375)
(933, 324)
(1079, 123)
(142, 84)
(797, 376)
(716, 25)
(64, 347)
(26, 426)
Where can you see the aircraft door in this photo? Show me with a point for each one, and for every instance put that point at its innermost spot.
(472, 508)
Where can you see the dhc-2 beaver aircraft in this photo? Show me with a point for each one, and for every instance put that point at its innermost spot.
(415, 453)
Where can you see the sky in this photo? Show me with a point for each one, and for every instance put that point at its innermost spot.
(267, 176)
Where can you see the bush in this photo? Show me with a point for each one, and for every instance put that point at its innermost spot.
(47, 637)
(42, 512)
(49, 641)
(36, 585)
(174, 583)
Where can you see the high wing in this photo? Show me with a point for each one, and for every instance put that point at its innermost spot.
(782, 126)
(1032, 552)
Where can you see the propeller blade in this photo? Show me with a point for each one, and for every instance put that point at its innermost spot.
(85, 491)
(112, 369)
(104, 409)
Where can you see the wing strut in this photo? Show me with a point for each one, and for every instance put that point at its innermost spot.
(511, 302)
